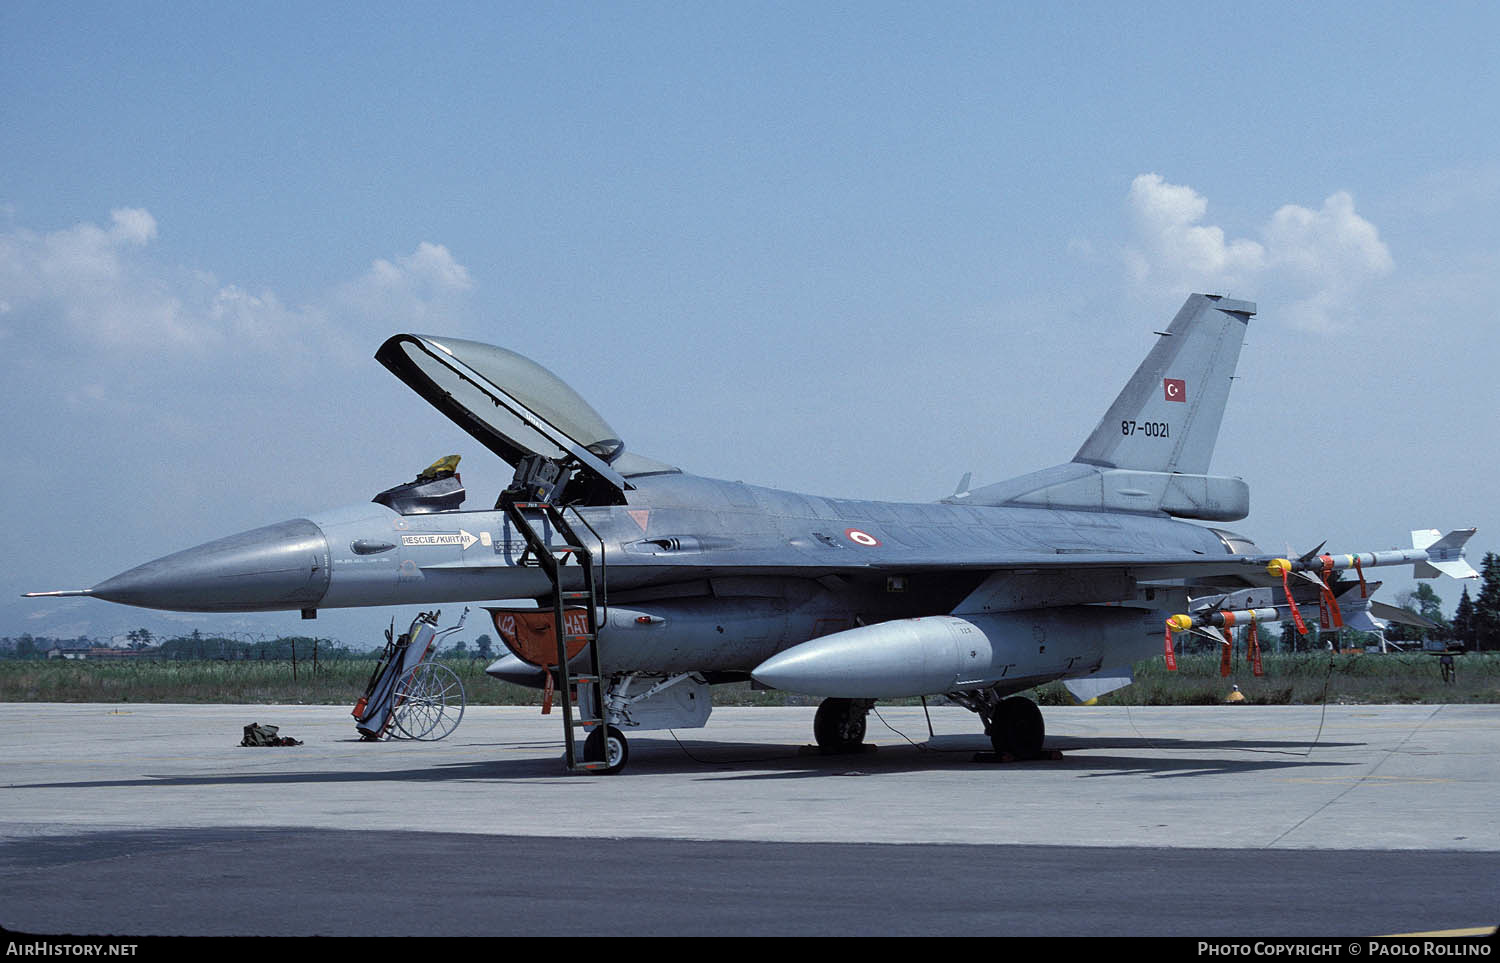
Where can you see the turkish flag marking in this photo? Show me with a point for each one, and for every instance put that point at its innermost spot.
(1175, 388)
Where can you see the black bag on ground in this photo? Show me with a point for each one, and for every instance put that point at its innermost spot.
(259, 735)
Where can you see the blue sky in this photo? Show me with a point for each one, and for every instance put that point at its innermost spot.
(848, 249)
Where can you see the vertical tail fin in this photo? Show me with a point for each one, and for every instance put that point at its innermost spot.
(1167, 418)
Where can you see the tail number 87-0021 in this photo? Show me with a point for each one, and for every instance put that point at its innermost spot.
(1151, 429)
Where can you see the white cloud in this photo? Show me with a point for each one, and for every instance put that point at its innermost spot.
(96, 287)
(1328, 255)
(1175, 248)
(426, 284)
(86, 282)
(259, 318)
(1319, 258)
(134, 225)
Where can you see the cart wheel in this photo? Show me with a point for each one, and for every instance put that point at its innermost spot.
(429, 702)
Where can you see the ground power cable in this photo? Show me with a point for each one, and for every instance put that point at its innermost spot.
(1358, 782)
(928, 747)
(737, 761)
(1305, 753)
(923, 746)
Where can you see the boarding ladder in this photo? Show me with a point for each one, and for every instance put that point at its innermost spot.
(553, 559)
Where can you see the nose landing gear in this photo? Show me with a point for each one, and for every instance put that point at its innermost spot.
(606, 745)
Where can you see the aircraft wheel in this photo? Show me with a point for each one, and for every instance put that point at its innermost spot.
(429, 702)
(839, 725)
(606, 745)
(1018, 729)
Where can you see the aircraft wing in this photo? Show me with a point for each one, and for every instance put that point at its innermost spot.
(1141, 564)
(1040, 579)
(1241, 570)
(1311, 572)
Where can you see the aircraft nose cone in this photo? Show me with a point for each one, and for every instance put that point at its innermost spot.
(281, 566)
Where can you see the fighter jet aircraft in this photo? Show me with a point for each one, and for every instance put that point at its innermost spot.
(649, 585)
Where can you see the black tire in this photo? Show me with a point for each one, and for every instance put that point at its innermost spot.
(595, 748)
(839, 725)
(1018, 730)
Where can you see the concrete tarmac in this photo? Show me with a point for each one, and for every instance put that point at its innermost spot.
(1216, 820)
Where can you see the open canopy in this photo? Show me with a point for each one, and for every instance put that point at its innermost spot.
(512, 405)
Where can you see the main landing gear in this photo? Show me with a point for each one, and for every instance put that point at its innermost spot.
(839, 726)
(1015, 728)
(1014, 725)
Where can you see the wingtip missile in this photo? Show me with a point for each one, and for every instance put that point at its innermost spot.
(1431, 555)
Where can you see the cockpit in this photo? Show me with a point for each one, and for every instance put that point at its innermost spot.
(562, 450)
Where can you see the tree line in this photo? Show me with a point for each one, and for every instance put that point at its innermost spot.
(196, 646)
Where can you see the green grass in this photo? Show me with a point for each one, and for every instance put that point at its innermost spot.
(1289, 679)
(332, 682)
